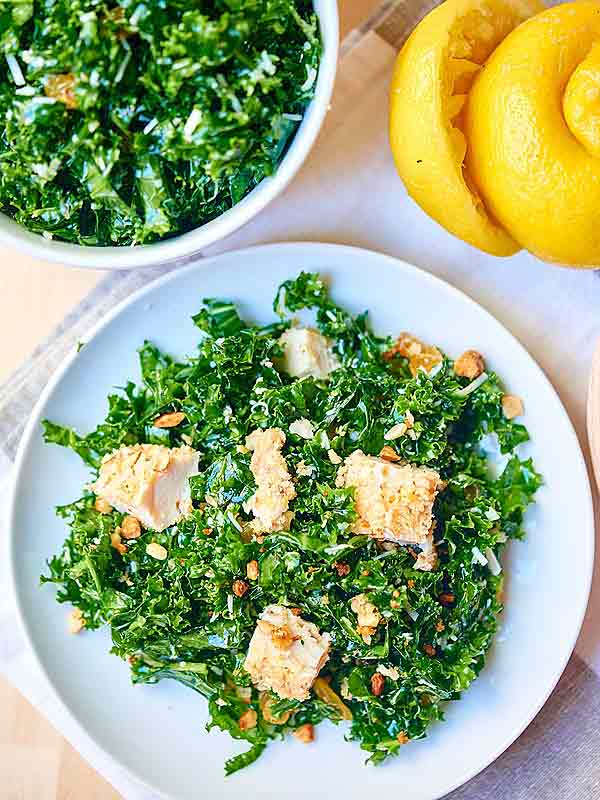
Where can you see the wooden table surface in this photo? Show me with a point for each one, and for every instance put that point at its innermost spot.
(36, 763)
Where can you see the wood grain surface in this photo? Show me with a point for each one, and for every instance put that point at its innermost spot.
(36, 763)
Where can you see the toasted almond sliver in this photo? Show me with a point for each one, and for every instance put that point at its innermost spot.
(395, 432)
(169, 420)
(252, 570)
(512, 406)
(76, 621)
(389, 454)
(131, 528)
(305, 733)
(333, 457)
(115, 541)
(102, 506)
(157, 551)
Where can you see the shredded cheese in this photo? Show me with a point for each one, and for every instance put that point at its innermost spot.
(191, 124)
(466, 390)
(15, 70)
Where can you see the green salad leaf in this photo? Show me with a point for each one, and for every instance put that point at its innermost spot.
(126, 123)
(180, 617)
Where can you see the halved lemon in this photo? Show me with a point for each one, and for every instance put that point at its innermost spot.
(433, 75)
(533, 127)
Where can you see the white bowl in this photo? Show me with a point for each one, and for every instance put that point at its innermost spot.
(187, 244)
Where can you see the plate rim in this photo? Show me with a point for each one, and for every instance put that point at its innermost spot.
(200, 265)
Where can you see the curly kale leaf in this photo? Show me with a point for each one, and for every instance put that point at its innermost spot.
(126, 123)
(180, 618)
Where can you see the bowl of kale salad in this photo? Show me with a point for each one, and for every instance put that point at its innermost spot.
(139, 132)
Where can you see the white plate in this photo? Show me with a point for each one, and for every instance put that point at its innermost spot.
(156, 732)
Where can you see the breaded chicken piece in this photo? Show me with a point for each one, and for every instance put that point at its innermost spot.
(307, 354)
(286, 653)
(150, 482)
(275, 489)
(393, 501)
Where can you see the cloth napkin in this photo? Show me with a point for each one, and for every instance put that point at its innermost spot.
(348, 192)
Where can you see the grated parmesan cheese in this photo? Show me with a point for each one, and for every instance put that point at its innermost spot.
(192, 123)
(15, 70)
(473, 385)
(310, 79)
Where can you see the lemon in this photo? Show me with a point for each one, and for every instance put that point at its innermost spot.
(533, 125)
(431, 82)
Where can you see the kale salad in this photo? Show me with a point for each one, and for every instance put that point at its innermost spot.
(299, 524)
(126, 123)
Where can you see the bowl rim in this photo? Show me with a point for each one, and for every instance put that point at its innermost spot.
(15, 235)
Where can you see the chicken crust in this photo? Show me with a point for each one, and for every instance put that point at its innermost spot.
(148, 481)
(286, 653)
(275, 488)
(393, 501)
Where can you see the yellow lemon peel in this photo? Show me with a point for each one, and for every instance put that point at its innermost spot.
(506, 156)
(533, 125)
(432, 80)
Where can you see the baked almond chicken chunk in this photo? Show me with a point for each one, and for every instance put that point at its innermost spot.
(150, 482)
(394, 502)
(275, 488)
(307, 354)
(286, 653)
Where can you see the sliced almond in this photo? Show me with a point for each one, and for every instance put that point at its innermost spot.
(169, 420)
(131, 528)
(512, 406)
(157, 551)
(395, 432)
(115, 541)
(102, 506)
(305, 733)
(76, 621)
(333, 457)
(389, 454)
